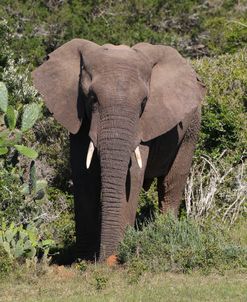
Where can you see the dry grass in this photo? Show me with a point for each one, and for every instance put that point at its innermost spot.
(217, 189)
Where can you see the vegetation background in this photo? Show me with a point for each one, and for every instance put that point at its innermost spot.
(36, 205)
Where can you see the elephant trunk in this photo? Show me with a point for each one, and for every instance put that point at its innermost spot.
(115, 145)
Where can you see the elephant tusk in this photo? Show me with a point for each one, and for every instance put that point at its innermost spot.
(89, 154)
(138, 156)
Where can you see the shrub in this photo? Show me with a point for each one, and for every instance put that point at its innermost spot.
(224, 123)
(10, 135)
(231, 34)
(14, 190)
(196, 28)
(147, 205)
(21, 243)
(5, 262)
(23, 194)
(169, 244)
(27, 192)
(100, 280)
(40, 193)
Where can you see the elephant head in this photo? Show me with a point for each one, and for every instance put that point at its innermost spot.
(129, 95)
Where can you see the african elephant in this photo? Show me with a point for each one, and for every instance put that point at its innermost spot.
(133, 114)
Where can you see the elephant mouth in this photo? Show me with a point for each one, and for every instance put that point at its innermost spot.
(91, 149)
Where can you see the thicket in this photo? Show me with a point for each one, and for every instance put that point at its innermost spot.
(35, 182)
(194, 27)
(168, 244)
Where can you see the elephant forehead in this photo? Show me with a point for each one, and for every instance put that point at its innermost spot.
(114, 47)
(119, 58)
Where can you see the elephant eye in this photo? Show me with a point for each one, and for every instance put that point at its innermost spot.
(92, 97)
(143, 104)
(93, 100)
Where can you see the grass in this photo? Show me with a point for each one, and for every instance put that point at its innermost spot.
(70, 284)
(142, 277)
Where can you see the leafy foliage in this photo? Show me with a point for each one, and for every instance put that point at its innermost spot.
(10, 136)
(224, 123)
(3, 97)
(30, 116)
(37, 190)
(148, 205)
(23, 196)
(169, 244)
(21, 243)
(195, 28)
(6, 264)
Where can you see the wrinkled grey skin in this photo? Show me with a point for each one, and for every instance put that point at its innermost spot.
(121, 98)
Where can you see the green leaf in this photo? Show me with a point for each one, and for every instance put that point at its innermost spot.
(22, 235)
(3, 150)
(28, 152)
(40, 189)
(25, 189)
(3, 97)
(2, 121)
(15, 137)
(6, 247)
(32, 252)
(30, 116)
(41, 184)
(12, 227)
(9, 138)
(3, 225)
(32, 234)
(18, 249)
(27, 245)
(4, 138)
(11, 116)
(49, 242)
(9, 235)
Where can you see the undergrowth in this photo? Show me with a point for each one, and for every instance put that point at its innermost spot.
(29, 30)
(181, 245)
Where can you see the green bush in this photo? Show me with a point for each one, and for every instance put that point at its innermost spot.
(100, 280)
(6, 263)
(194, 27)
(169, 244)
(15, 193)
(11, 136)
(147, 205)
(21, 243)
(224, 123)
(40, 193)
(62, 227)
(25, 196)
(231, 34)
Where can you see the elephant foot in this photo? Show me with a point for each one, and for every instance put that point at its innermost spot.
(112, 260)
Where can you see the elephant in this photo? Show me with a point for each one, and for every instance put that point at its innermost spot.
(133, 114)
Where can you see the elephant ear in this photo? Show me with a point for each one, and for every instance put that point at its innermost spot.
(175, 90)
(58, 81)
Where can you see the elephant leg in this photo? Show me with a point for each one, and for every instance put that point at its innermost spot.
(170, 187)
(86, 198)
